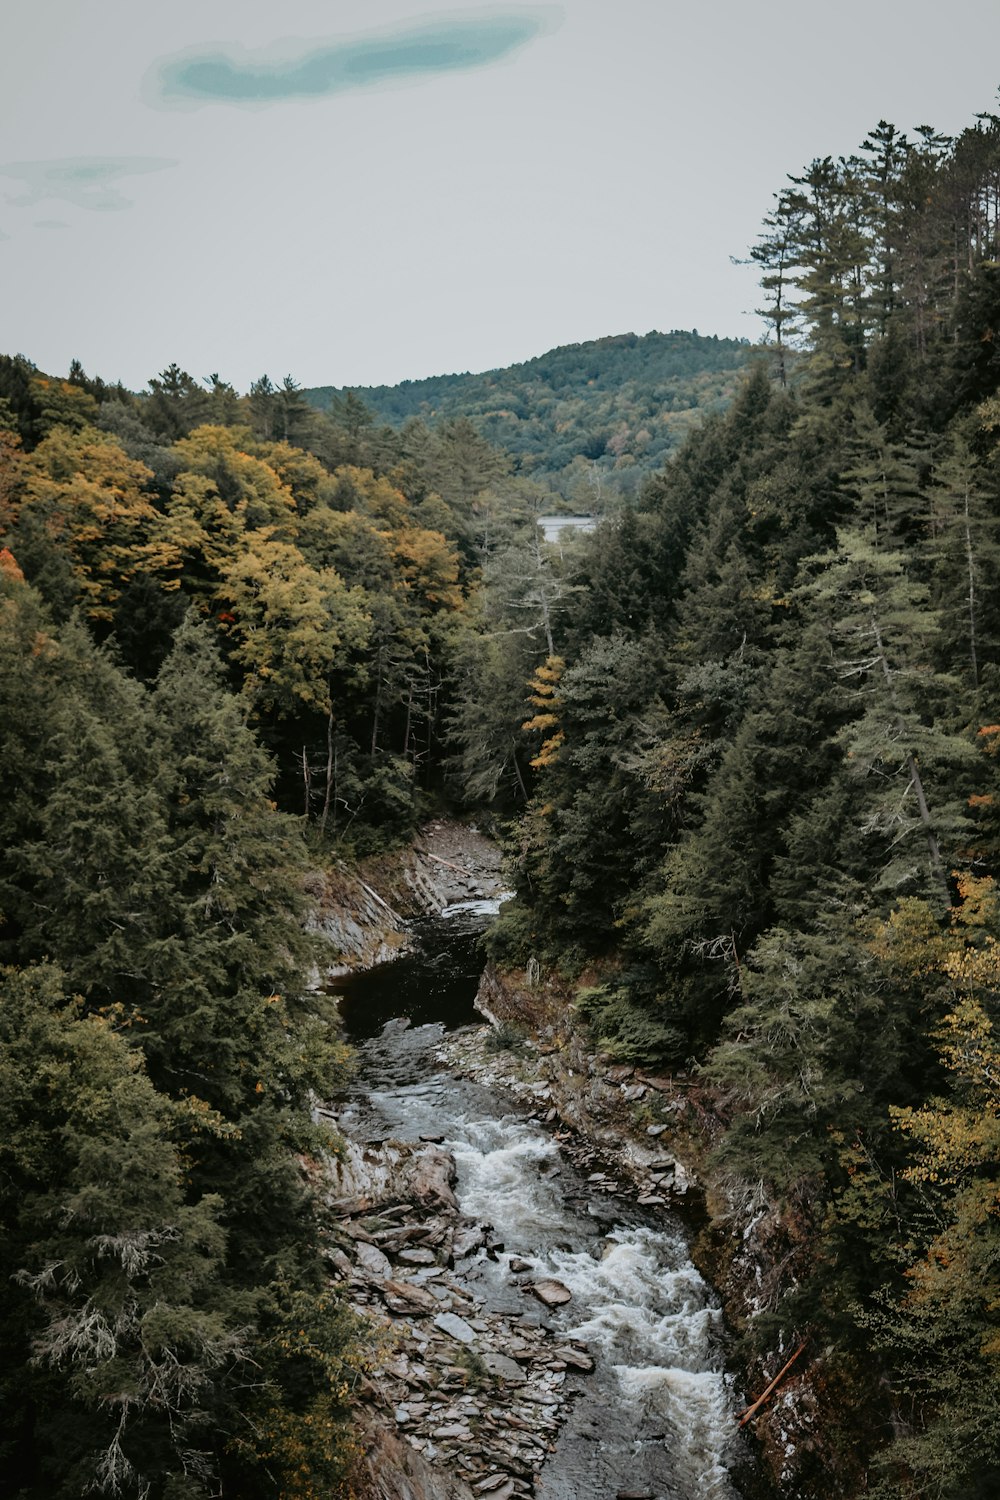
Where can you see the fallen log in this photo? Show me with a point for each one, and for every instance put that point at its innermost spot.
(755, 1407)
(438, 860)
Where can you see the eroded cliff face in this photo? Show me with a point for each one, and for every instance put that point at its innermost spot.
(362, 912)
(657, 1131)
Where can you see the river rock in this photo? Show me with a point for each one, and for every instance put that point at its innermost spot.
(552, 1293)
(496, 1487)
(455, 1326)
(517, 1265)
(357, 1232)
(372, 1260)
(339, 1261)
(433, 1176)
(417, 1257)
(506, 1369)
(576, 1359)
(400, 1235)
(401, 1297)
(468, 1240)
(500, 1487)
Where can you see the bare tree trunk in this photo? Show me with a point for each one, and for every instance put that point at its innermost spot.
(329, 771)
(378, 701)
(972, 586)
(306, 783)
(937, 864)
(409, 720)
(520, 778)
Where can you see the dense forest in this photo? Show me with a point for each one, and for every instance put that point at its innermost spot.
(589, 421)
(763, 825)
(226, 634)
(743, 740)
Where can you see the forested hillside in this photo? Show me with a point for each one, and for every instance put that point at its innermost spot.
(589, 421)
(763, 818)
(222, 657)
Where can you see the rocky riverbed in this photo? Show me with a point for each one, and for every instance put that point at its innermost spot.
(477, 1392)
(540, 1330)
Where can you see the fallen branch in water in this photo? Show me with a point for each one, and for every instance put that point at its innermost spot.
(752, 1410)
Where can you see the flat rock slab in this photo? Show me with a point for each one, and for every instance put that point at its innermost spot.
(371, 1259)
(575, 1359)
(400, 1296)
(507, 1369)
(455, 1327)
(552, 1293)
(468, 1240)
(496, 1487)
(501, 1487)
(433, 1176)
(416, 1257)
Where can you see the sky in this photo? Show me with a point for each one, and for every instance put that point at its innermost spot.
(357, 192)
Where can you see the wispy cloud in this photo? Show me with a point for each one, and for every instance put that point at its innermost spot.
(84, 181)
(316, 70)
(51, 223)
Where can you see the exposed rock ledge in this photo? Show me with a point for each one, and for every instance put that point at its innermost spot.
(364, 912)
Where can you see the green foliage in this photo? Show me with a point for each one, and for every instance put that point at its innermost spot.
(629, 1031)
(804, 1041)
(118, 1332)
(767, 792)
(591, 420)
(152, 1190)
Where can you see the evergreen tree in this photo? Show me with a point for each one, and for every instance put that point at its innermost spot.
(120, 1340)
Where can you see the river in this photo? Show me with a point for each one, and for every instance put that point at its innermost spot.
(655, 1418)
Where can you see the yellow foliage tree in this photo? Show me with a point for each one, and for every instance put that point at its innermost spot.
(80, 499)
(544, 696)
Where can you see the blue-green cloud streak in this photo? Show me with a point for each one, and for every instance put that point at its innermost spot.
(321, 69)
(85, 181)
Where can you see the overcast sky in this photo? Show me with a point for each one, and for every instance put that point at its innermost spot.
(361, 191)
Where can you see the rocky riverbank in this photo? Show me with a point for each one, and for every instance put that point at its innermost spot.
(462, 1401)
(650, 1136)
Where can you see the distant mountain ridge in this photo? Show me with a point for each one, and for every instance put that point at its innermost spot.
(590, 419)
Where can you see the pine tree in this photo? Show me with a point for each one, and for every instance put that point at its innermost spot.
(900, 745)
(123, 1349)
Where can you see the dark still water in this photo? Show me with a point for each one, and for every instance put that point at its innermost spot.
(436, 981)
